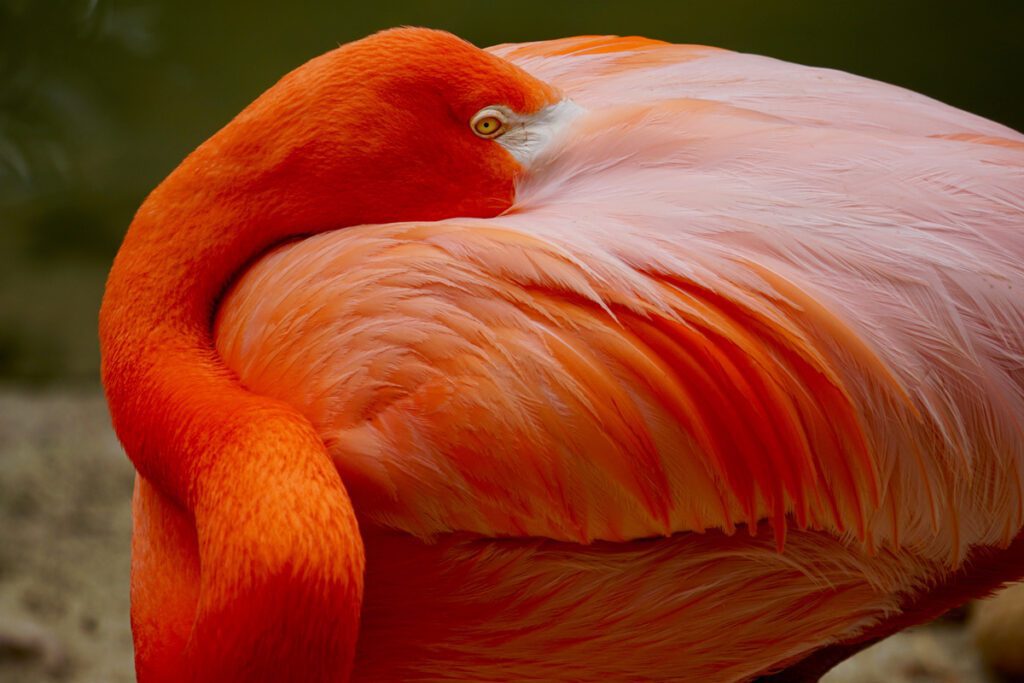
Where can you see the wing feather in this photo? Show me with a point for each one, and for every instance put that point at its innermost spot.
(739, 290)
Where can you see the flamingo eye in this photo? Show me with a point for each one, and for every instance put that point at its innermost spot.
(489, 123)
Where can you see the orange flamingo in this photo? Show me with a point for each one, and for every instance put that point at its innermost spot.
(633, 361)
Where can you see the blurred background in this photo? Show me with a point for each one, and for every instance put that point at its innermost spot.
(100, 99)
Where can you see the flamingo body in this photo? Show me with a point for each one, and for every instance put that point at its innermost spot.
(735, 377)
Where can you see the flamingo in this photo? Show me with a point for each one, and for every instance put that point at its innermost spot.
(590, 359)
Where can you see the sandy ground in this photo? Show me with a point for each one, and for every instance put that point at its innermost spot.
(65, 526)
(65, 488)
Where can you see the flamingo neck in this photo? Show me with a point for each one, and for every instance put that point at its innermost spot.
(277, 544)
(155, 329)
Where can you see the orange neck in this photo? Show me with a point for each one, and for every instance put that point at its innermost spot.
(186, 243)
(278, 543)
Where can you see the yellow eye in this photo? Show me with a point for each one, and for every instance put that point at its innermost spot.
(489, 123)
(487, 126)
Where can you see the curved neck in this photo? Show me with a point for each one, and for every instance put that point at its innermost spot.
(250, 185)
(277, 542)
(184, 245)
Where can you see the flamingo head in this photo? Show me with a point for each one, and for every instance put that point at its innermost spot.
(407, 124)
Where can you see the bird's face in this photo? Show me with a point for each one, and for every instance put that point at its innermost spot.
(409, 124)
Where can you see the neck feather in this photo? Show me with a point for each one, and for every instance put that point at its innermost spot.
(276, 543)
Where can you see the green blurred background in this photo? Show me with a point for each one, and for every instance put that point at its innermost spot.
(99, 100)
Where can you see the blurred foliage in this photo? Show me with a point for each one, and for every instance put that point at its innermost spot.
(99, 99)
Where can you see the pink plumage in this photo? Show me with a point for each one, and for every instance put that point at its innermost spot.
(737, 377)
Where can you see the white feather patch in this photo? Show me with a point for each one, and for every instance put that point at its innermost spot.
(528, 136)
